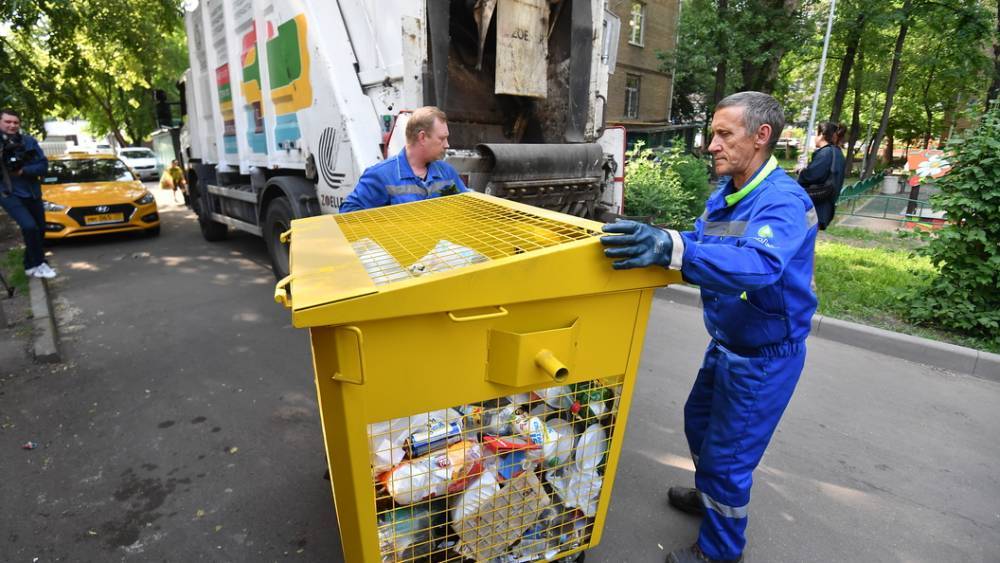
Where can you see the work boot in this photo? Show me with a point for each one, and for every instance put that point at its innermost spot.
(686, 499)
(694, 554)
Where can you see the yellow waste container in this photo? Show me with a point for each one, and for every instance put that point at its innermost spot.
(475, 360)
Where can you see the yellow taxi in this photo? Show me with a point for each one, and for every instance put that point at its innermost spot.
(89, 194)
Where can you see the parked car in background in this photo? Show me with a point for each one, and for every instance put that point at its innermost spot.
(88, 194)
(142, 161)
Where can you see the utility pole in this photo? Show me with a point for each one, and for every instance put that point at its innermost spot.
(803, 158)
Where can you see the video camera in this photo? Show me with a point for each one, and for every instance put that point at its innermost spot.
(13, 151)
(12, 158)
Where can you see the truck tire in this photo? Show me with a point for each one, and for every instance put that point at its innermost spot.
(212, 231)
(277, 219)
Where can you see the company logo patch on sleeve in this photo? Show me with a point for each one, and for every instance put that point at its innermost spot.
(765, 232)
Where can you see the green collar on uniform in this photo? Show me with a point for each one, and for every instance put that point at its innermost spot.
(769, 166)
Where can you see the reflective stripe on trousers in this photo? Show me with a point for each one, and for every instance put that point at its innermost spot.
(729, 418)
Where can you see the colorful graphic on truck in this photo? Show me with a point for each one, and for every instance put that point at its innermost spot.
(226, 108)
(253, 106)
(288, 75)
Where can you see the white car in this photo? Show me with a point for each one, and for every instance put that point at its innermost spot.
(142, 161)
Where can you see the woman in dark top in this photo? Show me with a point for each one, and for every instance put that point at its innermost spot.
(828, 138)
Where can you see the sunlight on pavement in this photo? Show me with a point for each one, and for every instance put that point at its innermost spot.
(672, 460)
(81, 266)
(247, 317)
(845, 495)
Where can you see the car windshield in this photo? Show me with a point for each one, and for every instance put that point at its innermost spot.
(87, 170)
(137, 153)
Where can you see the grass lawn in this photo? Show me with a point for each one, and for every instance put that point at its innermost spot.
(861, 274)
(12, 265)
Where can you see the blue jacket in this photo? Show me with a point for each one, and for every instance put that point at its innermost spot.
(36, 165)
(392, 181)
(754, 263)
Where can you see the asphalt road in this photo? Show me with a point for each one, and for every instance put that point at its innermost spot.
(184, 427)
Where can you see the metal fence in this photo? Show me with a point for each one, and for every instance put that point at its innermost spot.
(862, 200)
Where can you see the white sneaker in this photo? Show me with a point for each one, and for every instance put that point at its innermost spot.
(30, 271)
(44, 271)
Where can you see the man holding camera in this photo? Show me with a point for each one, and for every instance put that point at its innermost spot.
(23, 162)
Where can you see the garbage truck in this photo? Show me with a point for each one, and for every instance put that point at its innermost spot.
(287, 102)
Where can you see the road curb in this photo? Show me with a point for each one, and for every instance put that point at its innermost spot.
(45, 342)
(942, 355)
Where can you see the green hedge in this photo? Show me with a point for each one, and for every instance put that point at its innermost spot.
(965, 297)
(669, 186)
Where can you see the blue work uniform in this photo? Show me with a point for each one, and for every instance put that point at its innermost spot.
(392, 181)
(24, 203)
(751, 253)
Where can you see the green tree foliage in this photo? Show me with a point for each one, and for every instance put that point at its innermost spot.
(96, 59)
(965, 295)
(25, 86)
(670, 187)
(748, 37)
(944, 64)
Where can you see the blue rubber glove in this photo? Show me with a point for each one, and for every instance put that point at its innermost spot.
(640, 244)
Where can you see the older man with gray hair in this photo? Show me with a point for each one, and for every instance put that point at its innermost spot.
(751, 253)
(418, 172)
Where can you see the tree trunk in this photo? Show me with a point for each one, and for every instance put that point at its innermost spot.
(928, 110)
(127, 124)
(856, 112)
(887, 155)
(890, 89)
(721, 67)
(105, 104)
(994, 91)
(853, 40)
(762, 75)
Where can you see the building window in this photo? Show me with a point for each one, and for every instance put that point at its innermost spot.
(632, 96)
(637, 23)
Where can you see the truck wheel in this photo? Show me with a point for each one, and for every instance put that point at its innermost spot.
(277, 219)
(212, 231)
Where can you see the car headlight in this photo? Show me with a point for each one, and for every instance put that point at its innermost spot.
(145, 199)
(53, 207)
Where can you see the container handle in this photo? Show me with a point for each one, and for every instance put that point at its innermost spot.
(360, 366)
(284, 237)
(500, 313)
(281, 295)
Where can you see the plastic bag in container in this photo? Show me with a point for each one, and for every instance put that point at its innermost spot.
(435, 474)
(445, 256)
(380, 265)
(478, 493)
(578, 489)
(559, 451)
(501, 521)
(386, 439)
(558, 397)
(404, 534)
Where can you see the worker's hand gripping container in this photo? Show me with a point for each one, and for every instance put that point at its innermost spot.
(475, 360)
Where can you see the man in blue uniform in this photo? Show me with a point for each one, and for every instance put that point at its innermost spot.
(416, 173)
(20, 193)
(751, 253)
